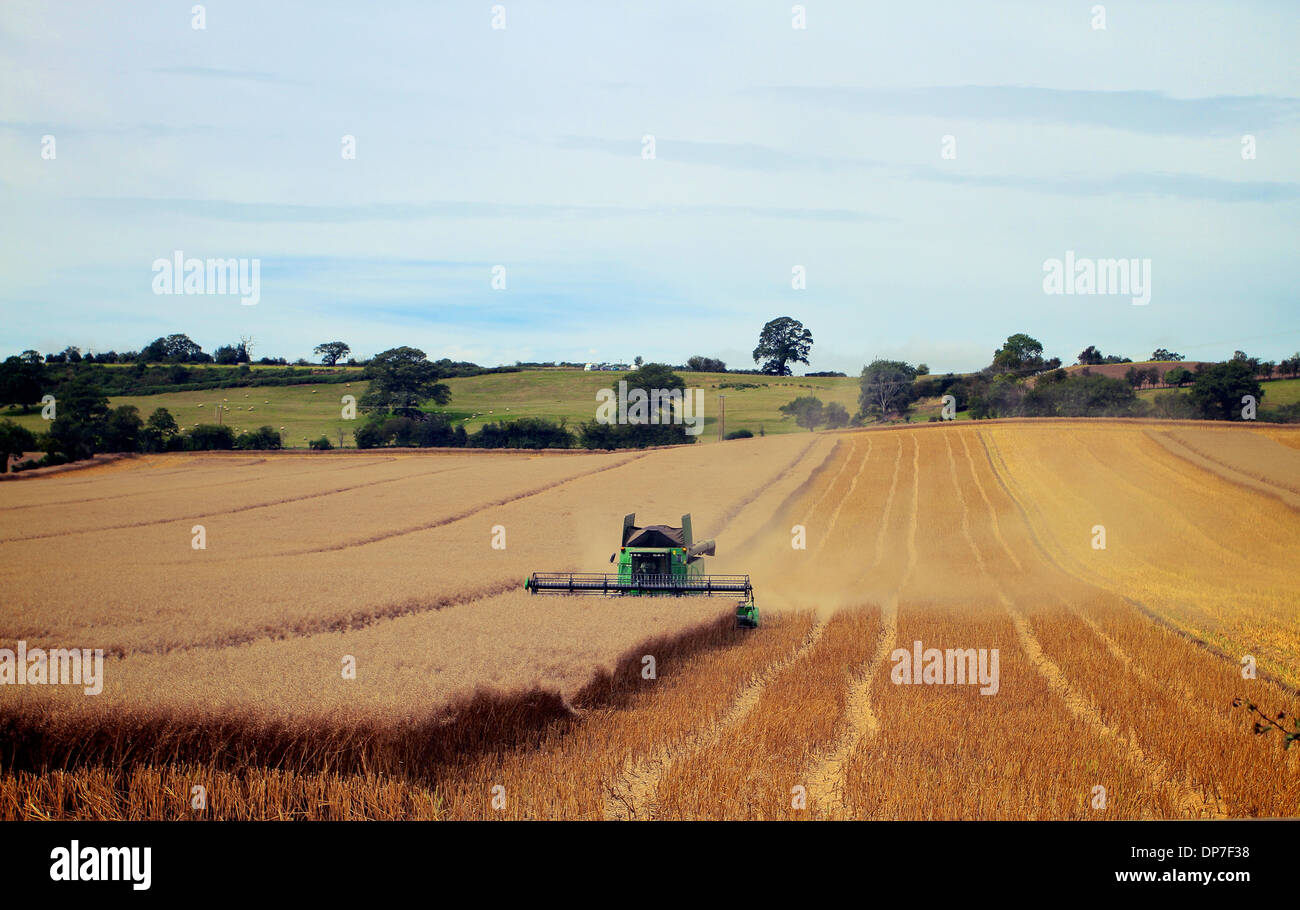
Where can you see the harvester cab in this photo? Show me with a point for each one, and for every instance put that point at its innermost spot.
(655, 560)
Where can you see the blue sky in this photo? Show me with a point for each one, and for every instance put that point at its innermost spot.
(774, 147)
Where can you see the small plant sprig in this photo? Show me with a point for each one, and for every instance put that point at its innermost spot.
(1267, 724)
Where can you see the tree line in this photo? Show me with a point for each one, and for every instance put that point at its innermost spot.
(403, 383)
(1020, 382)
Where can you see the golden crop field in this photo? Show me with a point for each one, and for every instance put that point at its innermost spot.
(1095, 586)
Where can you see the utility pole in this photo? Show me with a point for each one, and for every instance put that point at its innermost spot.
(722, 415)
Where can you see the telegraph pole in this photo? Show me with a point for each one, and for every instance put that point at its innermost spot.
(722, 415)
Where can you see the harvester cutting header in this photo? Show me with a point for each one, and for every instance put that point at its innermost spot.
(656, 560)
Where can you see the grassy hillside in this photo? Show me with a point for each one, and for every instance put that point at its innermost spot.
(303, 412)
(1277, 392)
(300, 412)
(572, 394)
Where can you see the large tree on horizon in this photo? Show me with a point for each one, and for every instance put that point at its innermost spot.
(402, 379)
(783, 341)
(1022, 355)
(331, 352)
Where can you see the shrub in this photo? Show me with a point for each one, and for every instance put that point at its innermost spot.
(740, 434)
(263, 437)
(209, 436)
(835, 415)
(321, 444)
(423, 432)
(1173, 406)
(1287, 413)
(609, 436)
(523, 433)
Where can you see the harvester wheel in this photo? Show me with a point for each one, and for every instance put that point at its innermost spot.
(746, 615)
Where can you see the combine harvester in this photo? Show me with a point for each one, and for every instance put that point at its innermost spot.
(654, 561)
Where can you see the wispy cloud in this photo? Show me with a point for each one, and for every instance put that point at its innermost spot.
(65, 128)
(213, 72)
(1135, 111)
(1177, 186)
(266, 212)
(736, 155)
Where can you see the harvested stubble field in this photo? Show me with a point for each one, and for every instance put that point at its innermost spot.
(1117, 666)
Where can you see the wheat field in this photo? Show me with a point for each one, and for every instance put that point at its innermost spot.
(1121, 571)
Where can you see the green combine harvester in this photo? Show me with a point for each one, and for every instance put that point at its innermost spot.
(655, 561)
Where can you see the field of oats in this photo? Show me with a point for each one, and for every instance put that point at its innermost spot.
(1122, 570)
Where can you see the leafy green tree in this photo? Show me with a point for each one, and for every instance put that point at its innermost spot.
(226, 355)
(653, 376)
(14, 440)
(78, 428)
(1021, 355)
(781, 342)
(807, 411)
(705, 365)
(331, 352)
(21, 382)
(1178, 376)
(120, 430)
(159, 432)
(401, 380)
(1002, 397)
(1162, 354)
(1070, 395)
(1090, 356)
(836, 415)
(176, 348)
(81, 399)
(1218, 388)
(886, 387)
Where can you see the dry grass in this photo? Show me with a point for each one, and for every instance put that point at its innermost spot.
(1118, 666)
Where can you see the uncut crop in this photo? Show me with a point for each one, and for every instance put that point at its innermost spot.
(1118, 665)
